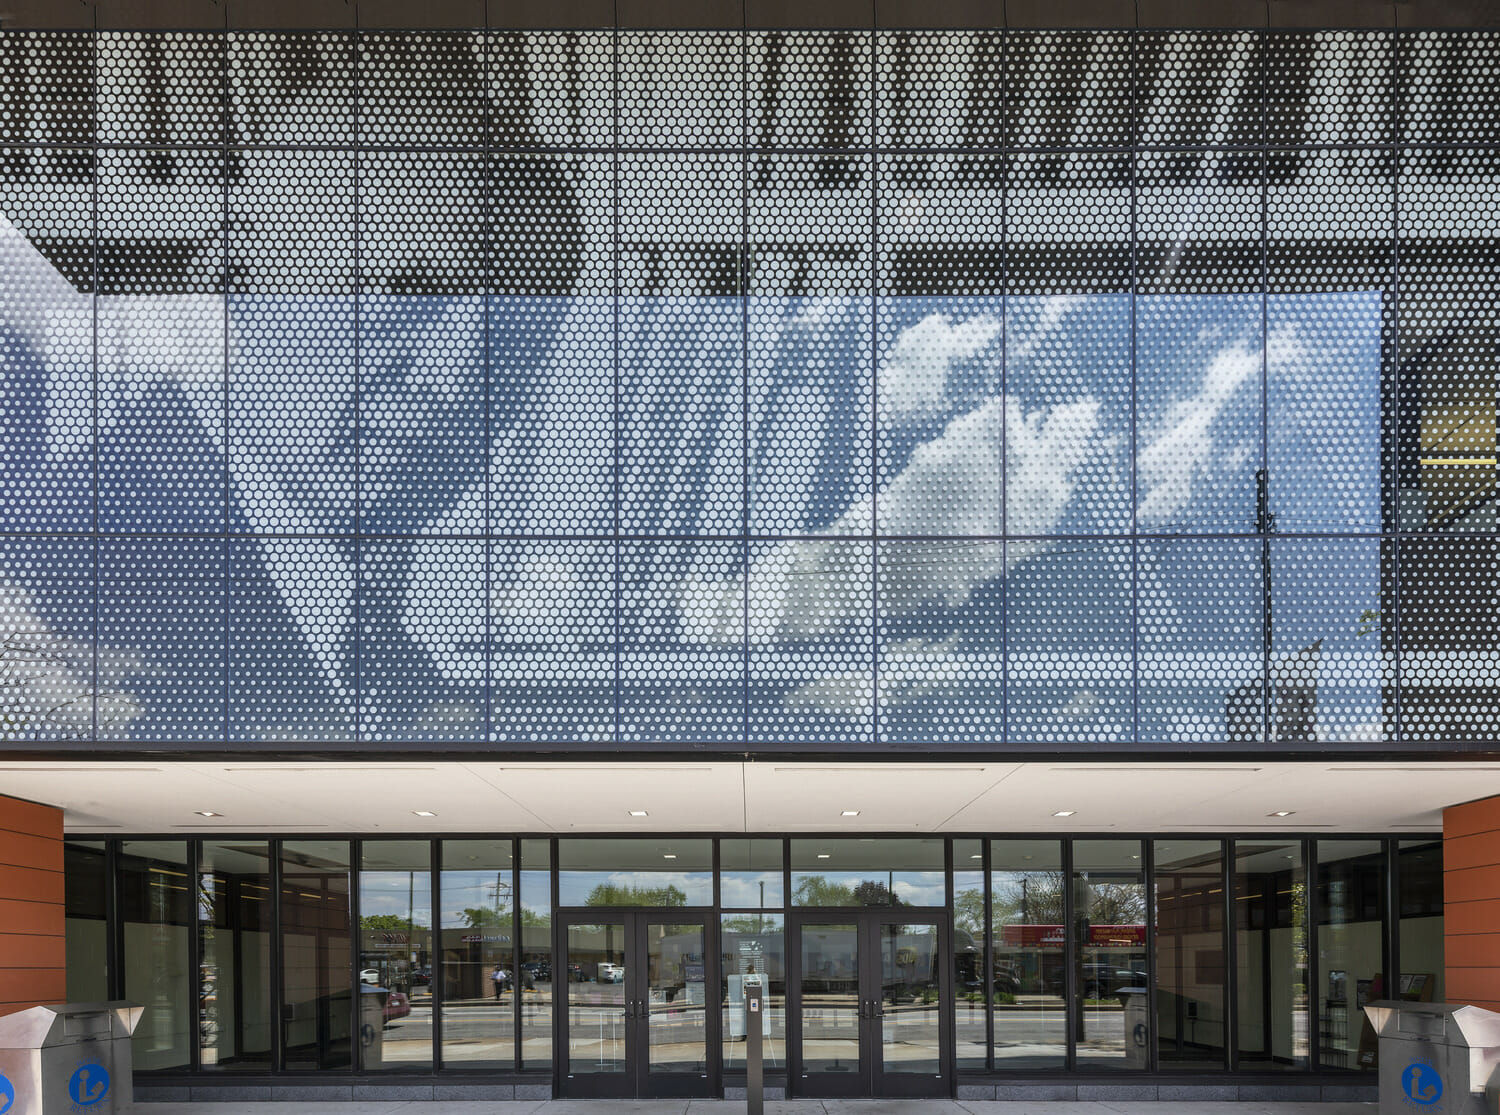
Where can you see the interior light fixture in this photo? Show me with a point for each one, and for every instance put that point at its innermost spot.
(669, 855)
(639, 813)
(424, 813)
(1282, 813)
(823, 855)
(850, 813)
(977, 855)
(1065, 812)
(207, 813)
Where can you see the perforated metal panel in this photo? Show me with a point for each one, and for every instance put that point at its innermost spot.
(784, 390)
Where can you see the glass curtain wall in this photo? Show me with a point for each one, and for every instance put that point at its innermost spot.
(478, 954)
(234, 954)
(156, 917)
(1351, 944)
(1029, 943)
(1111, 1025)
(395, 954)
(1271, 954)
(1191, 973)
(316, 977)
(1057, 961)
(752, 947)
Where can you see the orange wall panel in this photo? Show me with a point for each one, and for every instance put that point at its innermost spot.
(33, 949)
(1471, 902)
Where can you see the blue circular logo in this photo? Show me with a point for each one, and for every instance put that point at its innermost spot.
(1421, 1083)
(7, 1094)
(88, 1085)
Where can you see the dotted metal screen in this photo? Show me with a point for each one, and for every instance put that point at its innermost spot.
(772, 391)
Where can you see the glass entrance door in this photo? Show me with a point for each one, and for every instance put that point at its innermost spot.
(636, 1021)
(868, 993)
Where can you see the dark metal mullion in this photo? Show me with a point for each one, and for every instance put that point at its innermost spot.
(434, 954)
(1391, 915)
(987, 954)
(1153, 1028)
(114, 929)
(278, 975)
(1231, 958)
(517, 1014)
(356, 865)
(559, 969)
(1071, 1005)
(195, 954)
(1311, 912)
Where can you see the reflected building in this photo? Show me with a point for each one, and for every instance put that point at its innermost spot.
(609, 397)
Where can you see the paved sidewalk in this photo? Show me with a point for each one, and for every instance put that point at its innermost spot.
(773, 1107)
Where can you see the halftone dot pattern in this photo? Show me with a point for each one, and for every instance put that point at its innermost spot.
(161, 89)
(940, 228)
(1070, 241)
(938, 89)
(1070, 670)
(291, 436)
(682, 641)
(160, 412)
(681, 348)
(1198, 413)
(422, 454)
(682, 89)
(421, 608)
(811, 90)
(174, 665)
(47, 690)
(1329, 431)
(1067, 447)
(292, 223)
(288, 596)
(422, 89)
(1447, 626)
(1199, 227)
(160, 232)
(1448, 87)
(1198, 89)
(1329, 680)
(46, 353)
(551, 415)
(55, 103)
(553, 88)
(551, 655)
(1331, 227)
(290, 89)
(1064, 89)
(1349, 105)
(939, 667)
(423, 225)
(811, 611)
(1199, 642)
(939, 416)
(807, 239)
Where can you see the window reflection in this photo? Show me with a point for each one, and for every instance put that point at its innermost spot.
(1271, 943)
(1351, 948)
(1111, 1023)
(1028, 983)
(480, 979)
(157, 910)
(1191, 973)
(317, 998)
(234, 941)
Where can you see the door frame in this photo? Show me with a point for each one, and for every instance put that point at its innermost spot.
(871, 1081)
(637, 1081)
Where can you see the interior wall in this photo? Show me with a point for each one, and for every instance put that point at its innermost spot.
(1471, 902)
(33, 933)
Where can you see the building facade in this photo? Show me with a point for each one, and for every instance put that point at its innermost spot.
(566, 413)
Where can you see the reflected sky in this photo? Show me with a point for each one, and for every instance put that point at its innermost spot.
(691, 518)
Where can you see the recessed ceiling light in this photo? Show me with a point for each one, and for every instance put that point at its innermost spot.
(639, 813)
(424, 813)
(1065, 812)
(977, 855)
(669, 855)
(1282, 813)
(850, 813)
(823, 855)
(207, 813)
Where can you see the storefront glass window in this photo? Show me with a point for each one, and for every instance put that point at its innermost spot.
(1191, 973)
(1270, 914)
(156, 912)
(842, 871)
(1419, 865)
(86, 882)
(536, 954)
(1351, 948)
(750, 874)
(1028, 942)
(1110, 980)
(478, 954)
(752, 948)
(666, 872)
(316, 980)
(234, 942)
(970, 1035)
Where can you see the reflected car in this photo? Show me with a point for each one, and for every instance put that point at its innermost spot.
(396, 1006)
(611, 973)
(539, 969)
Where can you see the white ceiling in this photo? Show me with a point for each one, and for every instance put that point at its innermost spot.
(762, 797)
